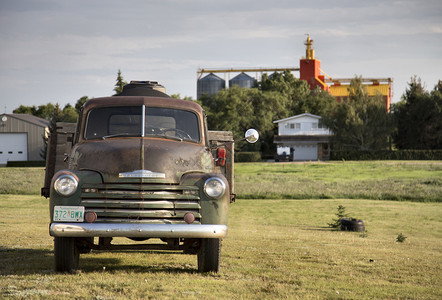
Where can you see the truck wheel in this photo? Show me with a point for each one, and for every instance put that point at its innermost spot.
(209, 255)
(66, 254)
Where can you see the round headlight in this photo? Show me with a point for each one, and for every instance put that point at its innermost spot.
(66, 185)
(214, 187)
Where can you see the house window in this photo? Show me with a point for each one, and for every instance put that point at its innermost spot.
(320, 125)
(314, 125)
(292, 126)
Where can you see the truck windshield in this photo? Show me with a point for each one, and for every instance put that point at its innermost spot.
(117, 121)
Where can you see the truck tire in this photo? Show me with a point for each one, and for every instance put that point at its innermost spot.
(66, 254)
(351, 224)
(209, 255)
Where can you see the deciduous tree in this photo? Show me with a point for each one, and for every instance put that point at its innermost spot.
(50, 112)
(359, 122)
(300, 98)
(69, 114)
(80, 102)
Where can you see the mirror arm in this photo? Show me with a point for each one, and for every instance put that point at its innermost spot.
(253, 132)
(225, 143)
(212, 146)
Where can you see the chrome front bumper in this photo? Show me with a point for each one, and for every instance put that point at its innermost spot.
(137, 230)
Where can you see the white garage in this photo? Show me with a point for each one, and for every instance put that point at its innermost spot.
(22, 138)
(13, 147)
(305, 152)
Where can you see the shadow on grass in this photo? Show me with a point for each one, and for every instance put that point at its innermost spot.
(24, 261)
(323, 228)
(89, 263)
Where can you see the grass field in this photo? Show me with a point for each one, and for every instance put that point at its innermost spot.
(377, 180)
(21, 181)
(276, 248)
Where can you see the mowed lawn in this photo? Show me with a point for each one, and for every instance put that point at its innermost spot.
(276, 247)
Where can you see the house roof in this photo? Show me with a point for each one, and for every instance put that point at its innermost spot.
(29, 118)
(298, 116)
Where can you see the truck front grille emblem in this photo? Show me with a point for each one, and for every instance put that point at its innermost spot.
(142, 174)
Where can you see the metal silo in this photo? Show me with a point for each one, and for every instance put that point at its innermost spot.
(210, 84)
(242, 80)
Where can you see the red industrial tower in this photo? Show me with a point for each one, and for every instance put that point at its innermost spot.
(310, 68)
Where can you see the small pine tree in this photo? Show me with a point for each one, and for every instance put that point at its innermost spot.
(340, 214)
(120, 83)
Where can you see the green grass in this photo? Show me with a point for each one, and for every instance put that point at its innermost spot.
(377, 180)
(275, 249)
(21, 181)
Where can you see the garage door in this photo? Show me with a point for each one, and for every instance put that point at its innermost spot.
(305, 152)
(13, 147)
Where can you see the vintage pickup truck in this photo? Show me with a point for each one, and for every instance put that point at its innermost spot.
(143, 166)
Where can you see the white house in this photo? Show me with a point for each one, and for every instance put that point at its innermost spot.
(302, 137)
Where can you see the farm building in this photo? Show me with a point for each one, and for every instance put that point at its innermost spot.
(302, 137)
(21, 137)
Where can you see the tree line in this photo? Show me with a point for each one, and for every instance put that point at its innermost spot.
(360, 122)
(69, 113)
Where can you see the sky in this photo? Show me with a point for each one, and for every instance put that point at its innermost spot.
(58, 51)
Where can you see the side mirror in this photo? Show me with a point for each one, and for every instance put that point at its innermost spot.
(251, 136)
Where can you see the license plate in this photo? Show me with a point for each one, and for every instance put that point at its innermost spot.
(69, 213)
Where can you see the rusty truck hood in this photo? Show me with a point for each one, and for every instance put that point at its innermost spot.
(119, 158)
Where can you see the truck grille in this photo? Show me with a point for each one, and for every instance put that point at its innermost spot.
(141, 203)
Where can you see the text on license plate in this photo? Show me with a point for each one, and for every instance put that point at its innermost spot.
(69, 213)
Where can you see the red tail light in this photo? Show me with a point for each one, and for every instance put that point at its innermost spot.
(221, 157)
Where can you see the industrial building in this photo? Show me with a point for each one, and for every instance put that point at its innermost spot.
(309, 70)
(21, 137)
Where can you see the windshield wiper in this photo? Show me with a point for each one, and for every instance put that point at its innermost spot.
(175, 138)
(119, 134)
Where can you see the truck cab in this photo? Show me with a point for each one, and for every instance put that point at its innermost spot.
(145, 167)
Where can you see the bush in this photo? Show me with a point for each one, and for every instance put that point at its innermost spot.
(400, 238)
(247, 156)
(387, 155)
